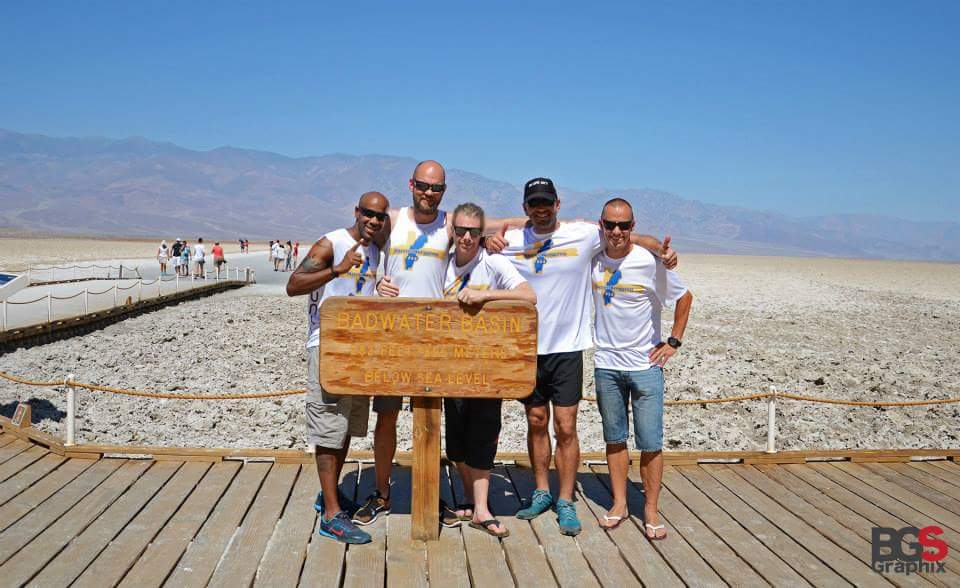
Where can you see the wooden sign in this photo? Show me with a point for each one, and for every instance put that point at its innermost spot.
(20, 415)
(425, 347)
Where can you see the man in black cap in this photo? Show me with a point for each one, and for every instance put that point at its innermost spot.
(556, 259)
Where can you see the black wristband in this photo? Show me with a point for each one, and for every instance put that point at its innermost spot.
(674, 342)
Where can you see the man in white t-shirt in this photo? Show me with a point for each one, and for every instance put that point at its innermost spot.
(198, 257)
(630, 287)
(556, 258)
(341, 263)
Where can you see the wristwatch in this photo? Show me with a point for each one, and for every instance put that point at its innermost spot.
(674, 342)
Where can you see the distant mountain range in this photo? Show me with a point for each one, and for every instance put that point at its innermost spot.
(138, 187)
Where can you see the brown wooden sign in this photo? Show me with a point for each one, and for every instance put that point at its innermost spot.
(424, 347)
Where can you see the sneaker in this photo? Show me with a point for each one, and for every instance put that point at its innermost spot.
(346, 505)
(540, 502)
(341, 529)
(373, 506)
(567, 517)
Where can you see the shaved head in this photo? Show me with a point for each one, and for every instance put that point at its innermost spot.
(374, 201)
(430, 171)
(618, 207)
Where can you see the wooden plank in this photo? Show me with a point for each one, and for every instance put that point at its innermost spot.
(840, 512)
(194, 458)
(14, 465)
(676, 552)
(806, 534)
(914, 499)
(287, 549)
(366, 564)
(778, 541)
(11, 449)
(35, 520)
(894, 506)
(106, 510)
(746, 546)
(166, 548)
(446, 557)
(486, 561)
(406, 556)
(915, 485)
(569, 566)
(199, 562)
(598, 548)
(425, 514)
(111, 563)
(426, 347)
(934, 468)
(638, 552)
(325, 557)
(6, 438)
(826, 525)
(524, 557)
(28, 476)
(711, 548)
(240, 562)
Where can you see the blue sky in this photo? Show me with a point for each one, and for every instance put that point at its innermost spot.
(801, 107)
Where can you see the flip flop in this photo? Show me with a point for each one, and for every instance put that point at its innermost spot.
(617, 520)
(448, 516)
(485, 527)
(655, 528)
(466, 506)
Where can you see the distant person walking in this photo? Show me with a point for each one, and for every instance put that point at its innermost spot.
(288, 266)
(278, 255)
(163, 253)
(272, 250)
(185, 259)
(218, 259)
(175, 255)
(296, 253)
(199, 254)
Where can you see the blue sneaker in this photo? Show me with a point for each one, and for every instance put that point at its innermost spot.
(540, 502)
(567, 517)
(346, 504)
(341, 529)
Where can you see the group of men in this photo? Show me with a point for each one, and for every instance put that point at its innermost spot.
(571, 271)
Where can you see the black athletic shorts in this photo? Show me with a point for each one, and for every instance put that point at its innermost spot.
(473, 430)
(559, 379)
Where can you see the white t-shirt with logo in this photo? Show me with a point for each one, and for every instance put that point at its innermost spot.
(628, 295)
(359, 281)
(483, 272)
(557, 265)
(416, 255)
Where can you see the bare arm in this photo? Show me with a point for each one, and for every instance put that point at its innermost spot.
(661, 250)
(523, 292)
(496, 225)
(681, 314)
(314, 271)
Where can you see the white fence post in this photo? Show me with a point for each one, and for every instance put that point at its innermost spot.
(115, 294)
(140, 290)
(86, 305)
(71, 412)
(74, 272)
(49, 306)
(4, 315)
(176, 284)
(772, 421)
(28, 276)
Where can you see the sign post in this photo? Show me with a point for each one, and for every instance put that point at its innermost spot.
(427, 349)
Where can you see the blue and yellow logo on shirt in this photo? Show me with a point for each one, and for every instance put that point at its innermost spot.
(461, 283)
(360, 275)
(414, 249)
(611, 285)
(541, 251)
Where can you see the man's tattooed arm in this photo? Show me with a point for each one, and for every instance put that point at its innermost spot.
(314, 271)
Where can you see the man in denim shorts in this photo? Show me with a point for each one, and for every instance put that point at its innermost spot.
(630, 286)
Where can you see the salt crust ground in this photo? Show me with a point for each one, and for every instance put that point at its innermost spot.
(865, 330)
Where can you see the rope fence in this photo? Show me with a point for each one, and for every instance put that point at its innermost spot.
(771, 398)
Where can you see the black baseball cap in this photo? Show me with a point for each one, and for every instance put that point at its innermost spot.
(539, 188)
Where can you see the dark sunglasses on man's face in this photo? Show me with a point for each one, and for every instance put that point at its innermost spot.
(424, 186)
(380, 216)
(624, 225)
(461, 231)
(539, 202)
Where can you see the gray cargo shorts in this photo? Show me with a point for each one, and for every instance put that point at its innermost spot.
(330, 418)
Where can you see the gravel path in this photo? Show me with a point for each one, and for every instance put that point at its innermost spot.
(817, 327)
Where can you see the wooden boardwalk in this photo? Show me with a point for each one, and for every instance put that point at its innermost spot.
(144, 522)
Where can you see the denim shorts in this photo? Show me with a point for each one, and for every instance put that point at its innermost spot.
(643, 390)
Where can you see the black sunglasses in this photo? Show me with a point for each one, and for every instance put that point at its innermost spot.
(461, 231)
(624, 226)
(538, 202)
(380, 216)
(424, 186)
